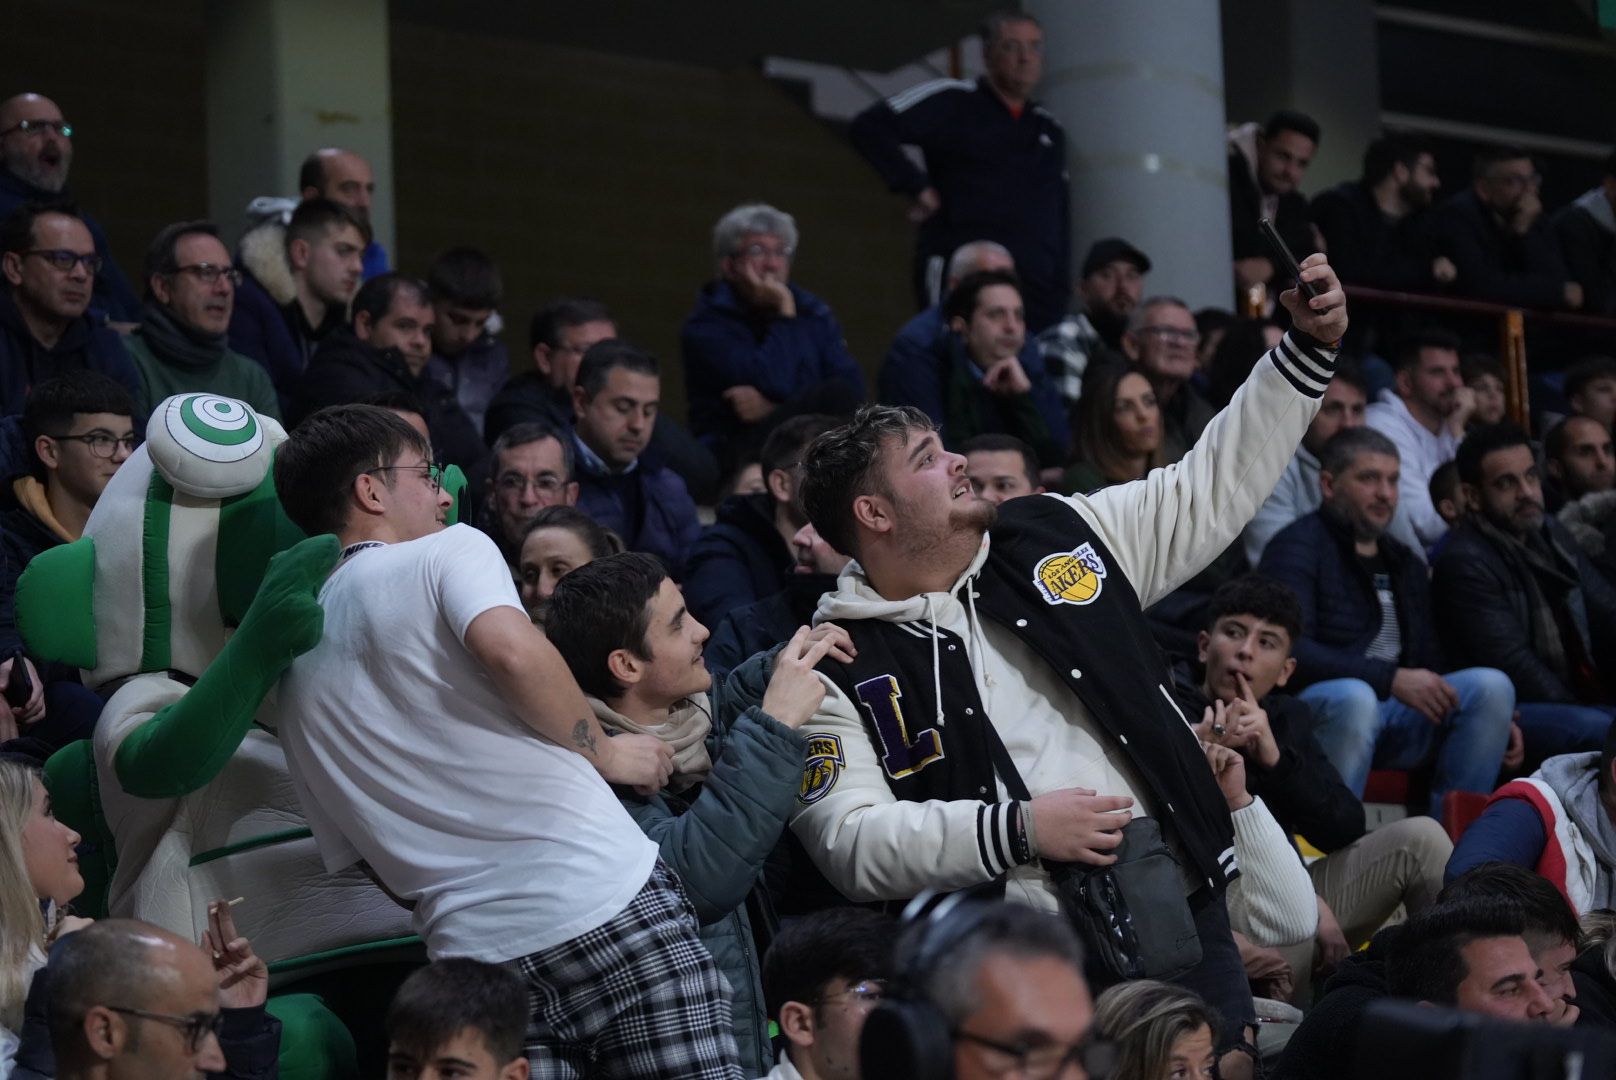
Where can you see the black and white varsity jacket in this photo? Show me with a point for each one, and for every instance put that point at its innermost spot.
(899, 794)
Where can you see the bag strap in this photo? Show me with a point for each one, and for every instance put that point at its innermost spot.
(1003, 765)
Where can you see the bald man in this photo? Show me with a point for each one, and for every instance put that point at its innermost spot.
(344, 177)
(130, 1001)
(36, 152)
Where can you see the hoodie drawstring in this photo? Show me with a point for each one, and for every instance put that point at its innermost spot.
(936, 662)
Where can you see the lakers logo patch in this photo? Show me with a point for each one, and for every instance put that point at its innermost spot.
(823, 766)
(1070, 577)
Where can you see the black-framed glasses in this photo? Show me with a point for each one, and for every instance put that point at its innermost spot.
(103, 444)
(208, 274)
(433, 474)
(195, 1027)
(1097, 1056)
(39, 127)
(868, 992)
(64, 261)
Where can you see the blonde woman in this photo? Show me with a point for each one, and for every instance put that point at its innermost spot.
(39, 874)
(1161, 1032)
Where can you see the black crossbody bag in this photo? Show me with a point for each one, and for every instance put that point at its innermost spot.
(1132, 916)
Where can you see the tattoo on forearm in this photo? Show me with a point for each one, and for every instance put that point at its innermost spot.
(581, 738)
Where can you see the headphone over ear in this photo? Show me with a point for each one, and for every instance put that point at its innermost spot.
(907, 1035)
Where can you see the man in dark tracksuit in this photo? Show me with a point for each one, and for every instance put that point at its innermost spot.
(995, 168)
(1026, 622)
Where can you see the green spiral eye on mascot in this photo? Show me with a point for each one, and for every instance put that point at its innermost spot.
(187, 598)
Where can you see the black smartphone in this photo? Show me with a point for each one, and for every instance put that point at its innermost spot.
(19, 688)
(1287, 261)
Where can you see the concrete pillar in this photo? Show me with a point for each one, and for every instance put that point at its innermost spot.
(287, 77)
(1138, 86)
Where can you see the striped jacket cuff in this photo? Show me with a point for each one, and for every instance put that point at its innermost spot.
(995, 826)
(1306, 366)
(1229, 864)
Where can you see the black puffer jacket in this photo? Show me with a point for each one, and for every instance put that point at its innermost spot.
(345, 370)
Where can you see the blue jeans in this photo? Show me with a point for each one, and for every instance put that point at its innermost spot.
(1358, 732)
(1551, 729)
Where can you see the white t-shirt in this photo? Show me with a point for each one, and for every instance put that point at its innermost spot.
(405, 755)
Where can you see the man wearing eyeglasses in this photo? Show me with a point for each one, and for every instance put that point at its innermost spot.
(822, 975)
(531, 468)
(129, 1000)
(1008, 983)
(79, 429)
(36, 151)
(1161, 339)
(757, 348)
(181, 344)
(1498, 238)
(49, 262)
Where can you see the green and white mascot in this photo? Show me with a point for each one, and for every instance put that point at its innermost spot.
(188, 596)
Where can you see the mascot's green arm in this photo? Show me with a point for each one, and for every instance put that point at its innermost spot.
(183, 746)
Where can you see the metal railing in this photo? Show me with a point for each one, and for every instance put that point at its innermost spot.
(1511, 323)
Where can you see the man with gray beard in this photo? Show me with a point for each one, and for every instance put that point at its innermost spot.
(36, 152)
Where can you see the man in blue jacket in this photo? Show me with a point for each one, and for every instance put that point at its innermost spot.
(615, 400)
(49, 262)
(1368, 654)
(995, 166)
(757, 348)
(36, 152)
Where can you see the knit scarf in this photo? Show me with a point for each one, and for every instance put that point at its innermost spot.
(685, 730)
(1546, 587)
(175, 343)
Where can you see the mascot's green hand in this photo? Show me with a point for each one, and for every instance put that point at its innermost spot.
(285, 619)
(183, 746)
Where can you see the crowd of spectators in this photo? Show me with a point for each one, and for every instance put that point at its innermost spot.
(1099, 611)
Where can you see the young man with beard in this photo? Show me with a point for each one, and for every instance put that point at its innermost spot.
(1368, 655)
(621, 625)
(1513, 591)
(1266, 166)
(1369, 224)
(1425, 418)
(1028, 617)
(180, 345)
(1112, 282)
